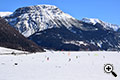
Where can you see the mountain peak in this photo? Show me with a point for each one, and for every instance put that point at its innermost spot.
(43, 9)
(38, 8)
(28, 20)
(104, 24)
(91, 20)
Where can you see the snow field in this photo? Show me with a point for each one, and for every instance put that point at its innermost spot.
(59, 65)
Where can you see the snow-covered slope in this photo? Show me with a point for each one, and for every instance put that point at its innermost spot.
(28, 20)
(59, 66)
(2, 14)
(105, 24)
(9, 51)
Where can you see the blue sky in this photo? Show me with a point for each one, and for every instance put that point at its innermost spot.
(106, 10)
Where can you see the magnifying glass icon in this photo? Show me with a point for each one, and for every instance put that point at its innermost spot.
(108, 68)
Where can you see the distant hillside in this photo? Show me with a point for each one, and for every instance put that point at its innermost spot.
(2, 14)
(11, 38)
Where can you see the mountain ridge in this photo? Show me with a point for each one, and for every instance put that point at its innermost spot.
(50, 12)
(41, 16)
(40, 23)
(105, 24)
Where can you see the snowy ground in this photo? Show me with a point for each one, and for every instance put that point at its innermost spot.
(9, 51)
(59, 66)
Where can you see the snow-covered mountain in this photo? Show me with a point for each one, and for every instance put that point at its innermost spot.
(28, 20)
(51, 28)
(104, 24)
(2, 14)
